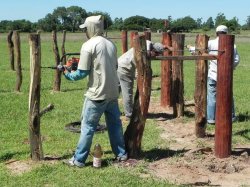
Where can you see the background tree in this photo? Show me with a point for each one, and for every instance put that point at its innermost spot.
(220, 19)
(48, 24)
(233, 25)
(155, 24)
(117, 24)
(61, 14)
(246, 26)
(208, 25)
(183, 24)
(136, 23)
(199, 23)
(76, 16)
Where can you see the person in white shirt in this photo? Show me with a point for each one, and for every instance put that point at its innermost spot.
(98, 60)
(212, 74)
(126, 73)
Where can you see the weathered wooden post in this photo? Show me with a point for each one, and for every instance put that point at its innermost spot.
(200, 95)
(132, 35)
(63, 46)
(11, 49)
(177, 73)
(34, 97)
(166, 72)
(57, 78)
(134, 132)
(124, 41)
(147, 35)
(223, 118)
(17, 49)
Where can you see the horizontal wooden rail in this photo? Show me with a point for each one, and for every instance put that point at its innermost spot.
(193, 57)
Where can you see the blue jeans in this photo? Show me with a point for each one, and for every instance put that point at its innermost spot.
(211, 101)
(127, 84)
(91, 114)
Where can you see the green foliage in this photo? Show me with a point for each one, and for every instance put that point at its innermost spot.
(136, 23)
(183, 24)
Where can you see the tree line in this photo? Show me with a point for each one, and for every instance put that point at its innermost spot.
(70, 18)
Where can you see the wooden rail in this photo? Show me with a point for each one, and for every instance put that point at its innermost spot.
(193, 57)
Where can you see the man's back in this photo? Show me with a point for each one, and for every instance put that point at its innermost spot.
(103, 81)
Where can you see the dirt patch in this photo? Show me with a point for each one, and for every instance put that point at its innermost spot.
(196, 164)
(18, 167)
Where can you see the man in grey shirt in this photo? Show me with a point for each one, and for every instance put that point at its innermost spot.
(126, 73)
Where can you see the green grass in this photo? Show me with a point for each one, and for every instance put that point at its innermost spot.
(68, 104)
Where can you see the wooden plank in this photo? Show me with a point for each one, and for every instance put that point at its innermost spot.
(181, 57)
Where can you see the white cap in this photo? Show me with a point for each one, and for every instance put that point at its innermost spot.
(91, 19)
(222, 28)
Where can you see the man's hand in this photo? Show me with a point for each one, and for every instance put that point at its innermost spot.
(61, 68)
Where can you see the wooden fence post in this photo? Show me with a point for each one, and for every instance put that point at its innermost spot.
(17, 49)
(63, 46)
(147, 35)
(177, 70)
(134, 132)
(124, 41)
(223, 118)
(132, 35)
(57, 78)
(166, 74)
(11, 50)
(34, 97)
(200, 95)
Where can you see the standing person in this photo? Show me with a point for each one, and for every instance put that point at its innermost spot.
(98, 59)
(126, 73)
(212, 74)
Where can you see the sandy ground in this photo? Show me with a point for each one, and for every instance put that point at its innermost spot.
(196, 164)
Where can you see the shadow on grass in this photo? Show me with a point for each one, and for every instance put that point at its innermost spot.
(157, 154)
(10, 155)
(189, 114)
(160, 116)
(244, 133)
(243, 117)
(156, 89)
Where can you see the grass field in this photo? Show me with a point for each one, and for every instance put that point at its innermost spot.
(68, 104)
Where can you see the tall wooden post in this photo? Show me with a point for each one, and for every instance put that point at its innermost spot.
(34, 97)
(63, 46)
(200, 95)
(147, 35)
(124, 41)
(223, 118)
(134, 132)
(177, 70)
(132, 35)
(166, 74)
(57, 78)
(11, 50)
(17, 49)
